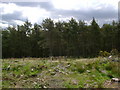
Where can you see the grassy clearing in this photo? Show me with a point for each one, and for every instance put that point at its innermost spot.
(69, 73)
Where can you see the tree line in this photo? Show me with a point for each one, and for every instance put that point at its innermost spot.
(73, 39)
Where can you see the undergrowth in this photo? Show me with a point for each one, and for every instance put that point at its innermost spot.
(77, 73)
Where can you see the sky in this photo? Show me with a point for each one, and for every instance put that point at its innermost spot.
(15, 13)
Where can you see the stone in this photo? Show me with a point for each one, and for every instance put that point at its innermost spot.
(110, 57)
(44, 87)
(88, 71)
(67, 66)
(103, 71)
(93, 75)
(75, 82)
(53, 73)
(32, 69)
(35, 82)
(115, 79)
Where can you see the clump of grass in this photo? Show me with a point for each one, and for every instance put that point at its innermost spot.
(6, 84)
(79, 67)
(100, 85)
(113, 67)
(89, 66)
(70, 84)
(37, 86)
(108, 67)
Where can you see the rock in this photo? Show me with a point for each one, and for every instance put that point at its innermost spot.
(95, 83)
(67, 66)
(74, 82)
(38, 78)
(62, 72)
(86, 85)
(110, 57)
(93, 75)
(88, 71)
(21, 75)
(53, 73)
(103, 71)
(49, 70)
(56, 70)
(35, 82)
(8, 68)
(44, 87)
(115, 79)
(42, 80)
(32, 69)
(115, 60)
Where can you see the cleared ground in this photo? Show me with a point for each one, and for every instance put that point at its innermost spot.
(60, 73)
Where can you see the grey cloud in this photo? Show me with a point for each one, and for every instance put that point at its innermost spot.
(29, 4)
(47, 6)
(8, 18)
(44, 5)
(15, 15)
(119, 10)
(101, 15)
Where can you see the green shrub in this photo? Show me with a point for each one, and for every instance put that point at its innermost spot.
(80, 67)
(100, 85)
(115, 69)
(108, 67)
(114, 52)
(104, 53)
(89, 66)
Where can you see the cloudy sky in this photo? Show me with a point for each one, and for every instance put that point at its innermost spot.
(12, 13)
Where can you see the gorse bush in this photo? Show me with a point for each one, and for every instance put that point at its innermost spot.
(104, 53)
(114, 52)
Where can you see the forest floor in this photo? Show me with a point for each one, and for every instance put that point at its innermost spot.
(64, 73)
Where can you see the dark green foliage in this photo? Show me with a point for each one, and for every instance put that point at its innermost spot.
(104, 53)
(72, 39)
